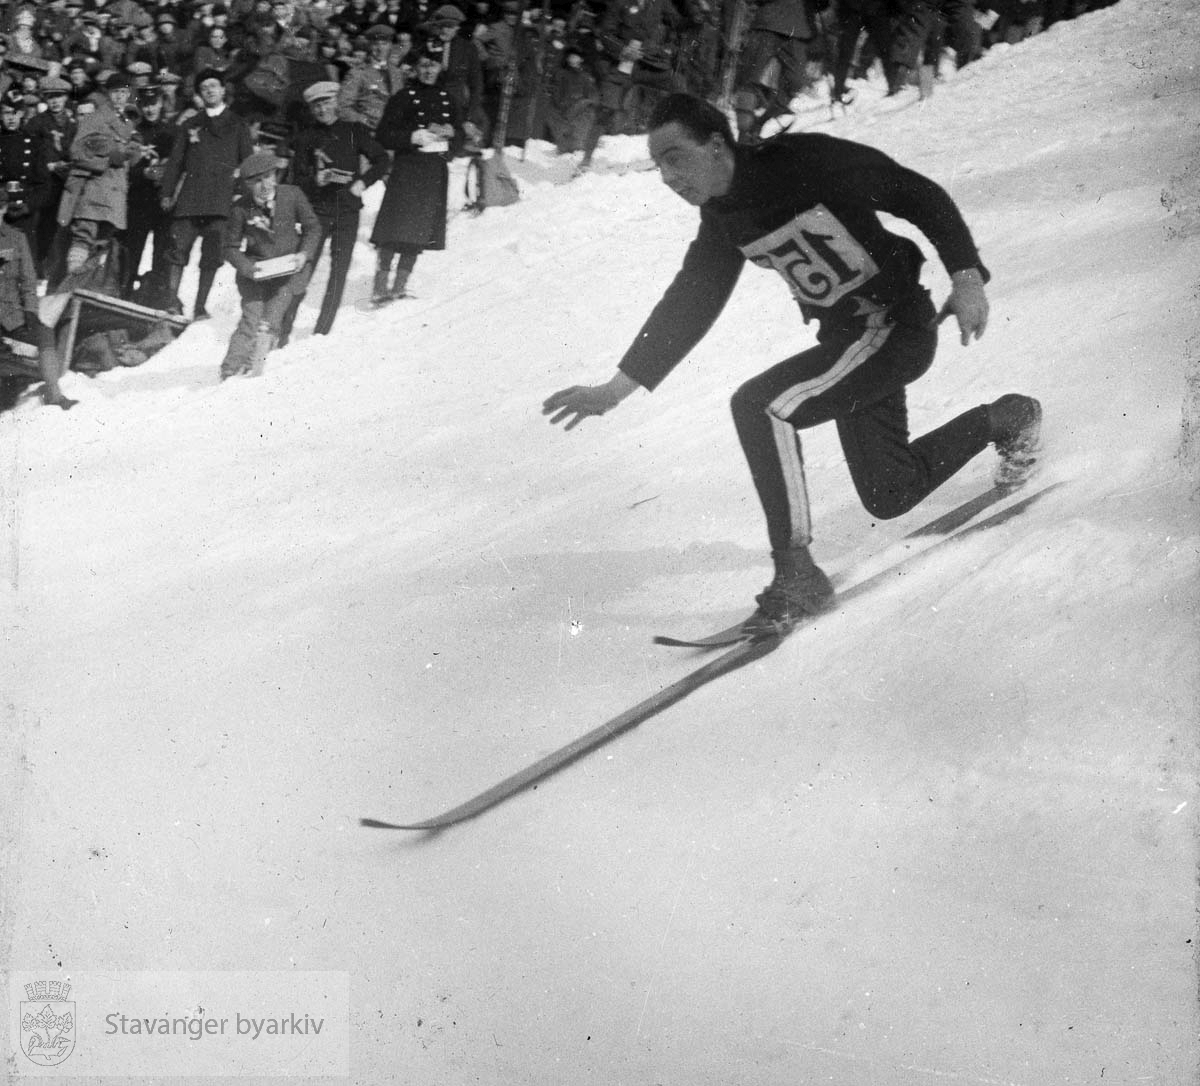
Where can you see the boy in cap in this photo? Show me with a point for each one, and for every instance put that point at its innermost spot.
(270, 221)
(327, 164)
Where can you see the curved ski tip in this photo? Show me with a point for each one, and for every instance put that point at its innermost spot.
(376, 824)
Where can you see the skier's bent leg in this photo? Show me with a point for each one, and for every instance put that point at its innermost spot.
(893, 474)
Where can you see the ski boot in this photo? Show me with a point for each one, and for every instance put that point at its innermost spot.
(1016, 427)
(799, 588)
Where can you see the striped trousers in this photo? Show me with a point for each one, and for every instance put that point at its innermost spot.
(856, 377)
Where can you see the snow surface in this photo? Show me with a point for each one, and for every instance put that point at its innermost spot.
(947, 835)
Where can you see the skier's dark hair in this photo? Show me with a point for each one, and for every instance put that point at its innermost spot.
(699, 119)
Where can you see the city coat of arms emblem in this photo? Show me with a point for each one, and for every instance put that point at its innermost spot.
(47, 1022)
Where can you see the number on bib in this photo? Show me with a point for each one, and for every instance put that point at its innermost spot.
(817, 256)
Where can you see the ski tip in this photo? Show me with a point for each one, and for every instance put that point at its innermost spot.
(726, 638)
(415, 827)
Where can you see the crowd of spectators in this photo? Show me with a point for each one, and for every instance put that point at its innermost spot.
(123, 122)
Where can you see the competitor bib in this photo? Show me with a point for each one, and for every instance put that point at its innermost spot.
(817, 256)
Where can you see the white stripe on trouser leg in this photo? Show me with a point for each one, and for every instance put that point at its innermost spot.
(787, 441)
(791, 463)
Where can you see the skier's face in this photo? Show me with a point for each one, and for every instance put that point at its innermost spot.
(694, 171)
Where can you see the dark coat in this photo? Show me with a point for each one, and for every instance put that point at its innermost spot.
(56, 131)
(413, 211)
(207, 150)
(646, 21)
(343, 145)
(23, 164)
(791, 18)
(462, 75)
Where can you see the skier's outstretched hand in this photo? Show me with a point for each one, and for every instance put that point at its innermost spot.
(968, 302)
(573, 405)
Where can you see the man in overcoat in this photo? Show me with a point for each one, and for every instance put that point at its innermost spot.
(198, 185)
(422, 126)
(93, 204)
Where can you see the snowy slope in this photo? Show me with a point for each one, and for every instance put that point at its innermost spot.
(945, 835)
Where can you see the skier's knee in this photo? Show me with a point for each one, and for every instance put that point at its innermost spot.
(886, 504)
(745, 402)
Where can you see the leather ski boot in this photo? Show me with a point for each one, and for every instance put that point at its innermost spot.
(799, 588)
(1016, 428)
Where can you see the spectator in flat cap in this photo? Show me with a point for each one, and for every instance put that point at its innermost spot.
(269, 222)
(170, 86)
(94, 200)
(173, 49)
(140, 73)
(367, 88)
(144, 46)
(198, 185)
(54, 129)
(461, 66)
(328, 165)
(147, 218)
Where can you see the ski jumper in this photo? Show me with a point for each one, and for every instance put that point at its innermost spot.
(806, 207)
